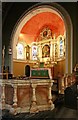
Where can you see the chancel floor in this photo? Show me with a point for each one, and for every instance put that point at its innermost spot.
(60, 111)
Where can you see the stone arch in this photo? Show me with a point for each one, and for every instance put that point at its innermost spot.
(67, 20)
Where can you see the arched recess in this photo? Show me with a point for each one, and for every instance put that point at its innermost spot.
(27, 71)
(68, 26)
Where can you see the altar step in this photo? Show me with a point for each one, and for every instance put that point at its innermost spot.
(59, 112)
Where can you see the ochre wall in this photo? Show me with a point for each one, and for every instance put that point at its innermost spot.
(19, 68)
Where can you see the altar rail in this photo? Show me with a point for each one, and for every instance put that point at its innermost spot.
(20, 96)
(66, 81)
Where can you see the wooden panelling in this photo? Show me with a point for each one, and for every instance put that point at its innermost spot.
(59, 68)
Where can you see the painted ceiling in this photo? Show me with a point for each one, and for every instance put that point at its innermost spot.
(33, 27)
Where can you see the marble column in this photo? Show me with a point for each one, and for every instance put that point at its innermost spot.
(51, 105)
(15, 99)
(49, 93)
(33, 108)
(3, 96)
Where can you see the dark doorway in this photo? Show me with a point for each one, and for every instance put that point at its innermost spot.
(27, 71)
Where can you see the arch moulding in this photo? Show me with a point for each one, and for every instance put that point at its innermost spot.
(51, 7)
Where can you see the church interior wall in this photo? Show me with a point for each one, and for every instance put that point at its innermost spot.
(19, 68)
(24, 94)
(8, 27)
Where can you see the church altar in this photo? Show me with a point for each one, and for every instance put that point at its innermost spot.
(41, 73)
(19, 96)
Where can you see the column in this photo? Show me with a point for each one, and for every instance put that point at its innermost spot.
(10, 59)
(49, 94)
(15, 99)
(51, 105)
(66, 81)
(2, 59)
(34, 95)
(50, 74)
(33, 108)
(31, 53)
(3, 96)
(51, 49)
(13, 110)
(62, 85)
(40, 53)
(54, 52)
